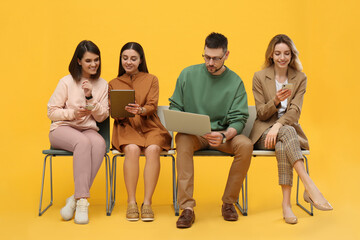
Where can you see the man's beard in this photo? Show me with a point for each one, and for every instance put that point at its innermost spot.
(216, 69)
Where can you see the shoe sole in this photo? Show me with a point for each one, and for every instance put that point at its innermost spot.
(231, 219)
(147, 219)
(81, 222)
(132, 219)
(291, 221)
(185, 226)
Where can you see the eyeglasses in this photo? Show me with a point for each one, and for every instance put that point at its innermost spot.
(215, 59)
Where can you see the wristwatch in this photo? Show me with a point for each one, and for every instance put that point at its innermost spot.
(224, 138)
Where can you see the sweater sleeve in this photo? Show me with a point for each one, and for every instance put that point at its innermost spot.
(101, 110)
(56, 110)
(238, 112)
(177, 99)
(152, 98)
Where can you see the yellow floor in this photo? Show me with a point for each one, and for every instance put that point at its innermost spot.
(208, 225)
(19, 220)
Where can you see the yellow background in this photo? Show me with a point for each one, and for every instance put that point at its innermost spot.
(38, 39)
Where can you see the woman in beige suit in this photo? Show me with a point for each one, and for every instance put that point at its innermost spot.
(143, 133)
(279, 91)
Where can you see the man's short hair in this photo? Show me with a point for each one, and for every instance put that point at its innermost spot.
(216, 40)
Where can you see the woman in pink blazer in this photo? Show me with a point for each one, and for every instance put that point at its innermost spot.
(279, 91)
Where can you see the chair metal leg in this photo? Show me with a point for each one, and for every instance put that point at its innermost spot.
(108, 182)
(175, 203)
(113, 185)
(41, 212)
(310, 212)
(244, 195)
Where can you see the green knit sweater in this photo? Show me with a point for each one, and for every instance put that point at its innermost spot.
(223, 98)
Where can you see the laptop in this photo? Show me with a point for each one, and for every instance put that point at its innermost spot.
(118, 100)
(184, 122)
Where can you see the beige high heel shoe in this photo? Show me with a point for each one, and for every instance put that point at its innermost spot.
(291, 220)
(324, 206)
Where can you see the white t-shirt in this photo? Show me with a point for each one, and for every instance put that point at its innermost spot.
(283, 106)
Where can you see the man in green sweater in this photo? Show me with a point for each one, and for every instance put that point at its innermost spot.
(214, 90)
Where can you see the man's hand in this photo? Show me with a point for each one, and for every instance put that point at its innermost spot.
(214, 138)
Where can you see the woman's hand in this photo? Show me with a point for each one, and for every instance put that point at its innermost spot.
(270, 139)
(87, 87)
(81, 112)
(134, 108)
(281, 95)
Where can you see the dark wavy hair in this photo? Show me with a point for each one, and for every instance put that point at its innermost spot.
(138, 48)
(75, 68)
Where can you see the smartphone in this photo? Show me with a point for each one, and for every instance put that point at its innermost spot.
(287, 86)
(89, 107)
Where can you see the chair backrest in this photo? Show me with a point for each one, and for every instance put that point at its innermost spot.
(250, 121)
(104, 131)
(160, 114)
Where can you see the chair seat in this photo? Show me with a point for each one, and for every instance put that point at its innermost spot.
(272, 153)
(58, 152)
(162, 153)
(211, 153)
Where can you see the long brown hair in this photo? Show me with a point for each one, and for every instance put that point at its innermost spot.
(282, 38)
(138, 48)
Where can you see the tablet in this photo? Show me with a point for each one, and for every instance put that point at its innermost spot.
(118, 100)
(184, 122)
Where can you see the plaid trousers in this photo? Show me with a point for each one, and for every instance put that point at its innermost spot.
(287, 149)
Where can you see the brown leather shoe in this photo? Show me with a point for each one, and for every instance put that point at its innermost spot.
(186, 219)
(229, 212)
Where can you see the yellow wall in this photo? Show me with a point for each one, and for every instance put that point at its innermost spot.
(38, 39)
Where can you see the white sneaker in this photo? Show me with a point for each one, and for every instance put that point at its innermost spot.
(67, 212)
(81, 214)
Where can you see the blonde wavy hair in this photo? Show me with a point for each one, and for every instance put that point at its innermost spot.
(282, 38)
